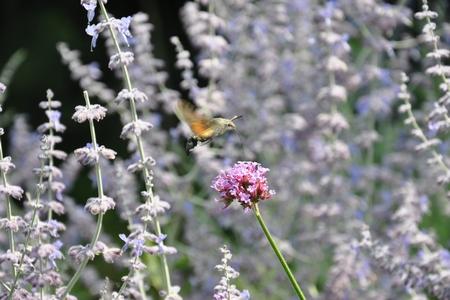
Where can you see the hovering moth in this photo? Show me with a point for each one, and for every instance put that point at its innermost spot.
(204, 128)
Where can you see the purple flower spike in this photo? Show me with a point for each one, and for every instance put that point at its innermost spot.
(245, 182)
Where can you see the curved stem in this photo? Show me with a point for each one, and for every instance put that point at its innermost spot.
(50, 163)
(98, 229)
(8, 211)
(278, 253)
(139, 143)
(50, 177)
(423, 138)
(130, 273)
(84, 262)
(5, 286)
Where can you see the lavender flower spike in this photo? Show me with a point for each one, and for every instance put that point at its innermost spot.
(95, 205)
(7, 191)
(133, 130)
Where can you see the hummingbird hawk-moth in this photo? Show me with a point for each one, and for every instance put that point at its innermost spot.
(204, 128)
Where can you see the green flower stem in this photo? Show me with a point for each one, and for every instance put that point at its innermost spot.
(98, 229)
(8, 210)
(50, 163)
(50, 160)
(140, 147)
(277, 251)
(5, 286)
(83, 264)
(50, 179)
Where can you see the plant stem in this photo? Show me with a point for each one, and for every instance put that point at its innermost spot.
(50, 163)
(83, 264)
(5, 286)
(277, 251)
(8, 210)
(139, 143)
(128, 276)
(98, 229)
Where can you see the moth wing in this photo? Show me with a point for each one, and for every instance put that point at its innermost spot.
(202, 128)
(200, 125)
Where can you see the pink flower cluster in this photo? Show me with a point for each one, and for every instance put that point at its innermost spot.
(245, 182)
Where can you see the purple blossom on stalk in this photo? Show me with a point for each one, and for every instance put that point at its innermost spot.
(93, 112)
(125, 58)
(90, 6)
(136, 242)
(245, 182)
(49, 105)
(135, 94)
(11, 190)
(54, 117)
(94, 31)
(89, 156)
(51, 252)
(135, 128)
(6, 164)
(96, 205)
(15, 224)
(52, 227)
(122, 26)
(149, 210)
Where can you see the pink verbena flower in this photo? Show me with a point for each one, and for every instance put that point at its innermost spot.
(245, 182)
